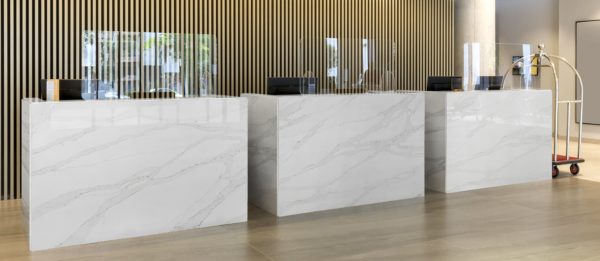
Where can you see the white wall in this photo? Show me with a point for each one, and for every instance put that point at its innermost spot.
(527, 22)
(553, 23)
(570, 12)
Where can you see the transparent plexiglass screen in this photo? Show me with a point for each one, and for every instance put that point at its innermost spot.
(123, 65)
(485, 65)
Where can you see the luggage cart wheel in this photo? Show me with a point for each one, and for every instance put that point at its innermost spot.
(554, 172)
(574, 169)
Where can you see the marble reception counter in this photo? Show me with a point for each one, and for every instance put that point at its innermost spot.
(318, 152)
(482, 139)
(103, 170)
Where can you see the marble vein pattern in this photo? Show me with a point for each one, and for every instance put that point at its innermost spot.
(478, 140)
(103, 170)
(321, 152)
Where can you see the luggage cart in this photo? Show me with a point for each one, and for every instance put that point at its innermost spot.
(557, 159)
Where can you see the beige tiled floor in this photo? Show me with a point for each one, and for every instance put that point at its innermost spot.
(553, 220)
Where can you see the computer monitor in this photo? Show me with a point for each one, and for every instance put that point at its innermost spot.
(490, 83)
(444, 83)
(61, 89)
(291, 86)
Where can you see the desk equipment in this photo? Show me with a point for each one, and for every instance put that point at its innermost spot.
(444, 83)
(56, 90)
(489, 83)
(291, 86)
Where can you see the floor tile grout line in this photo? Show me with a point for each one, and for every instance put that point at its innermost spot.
(260, 252)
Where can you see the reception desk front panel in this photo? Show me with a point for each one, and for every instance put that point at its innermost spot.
(318, 152)
(484, 139)
(102, 170)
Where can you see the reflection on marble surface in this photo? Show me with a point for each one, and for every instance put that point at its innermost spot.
(103, 170)
(485, 139)
(262, 152)
(312, 153)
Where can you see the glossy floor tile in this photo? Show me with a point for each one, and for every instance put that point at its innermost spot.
(549, 220)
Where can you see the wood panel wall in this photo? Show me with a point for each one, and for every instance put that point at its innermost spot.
(256, 39)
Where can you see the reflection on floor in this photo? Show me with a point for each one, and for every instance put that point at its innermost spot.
(552, 220)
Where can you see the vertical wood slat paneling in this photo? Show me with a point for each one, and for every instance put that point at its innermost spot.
(5, 87)
(11, 92)
(252, 41)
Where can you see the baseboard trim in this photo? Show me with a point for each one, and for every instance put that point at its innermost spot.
(584, 140)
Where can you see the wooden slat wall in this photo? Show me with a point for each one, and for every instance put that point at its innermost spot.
(255, 39)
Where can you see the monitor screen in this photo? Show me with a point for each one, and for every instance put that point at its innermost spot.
(489, 83)
(291, 86)
(62, 89)
(444, 83)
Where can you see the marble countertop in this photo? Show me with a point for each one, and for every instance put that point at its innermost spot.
(487, 92)
(332, 94)
(390, 93)
(38, 100)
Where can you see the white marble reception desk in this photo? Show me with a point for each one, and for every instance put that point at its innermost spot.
(482, 139)
(319, 152)
(103, 170)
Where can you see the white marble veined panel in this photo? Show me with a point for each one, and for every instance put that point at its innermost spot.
(103, 170)
(336, 151)
(492, 139)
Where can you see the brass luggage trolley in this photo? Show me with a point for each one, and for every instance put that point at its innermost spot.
(545, 61)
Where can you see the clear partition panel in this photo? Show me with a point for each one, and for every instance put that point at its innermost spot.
(149, 64)
(150, 67)
(129, 63)
(485, 65)
(88, 62)
(107, 64)
(349, 65)
(205, 73)
(525, 74)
